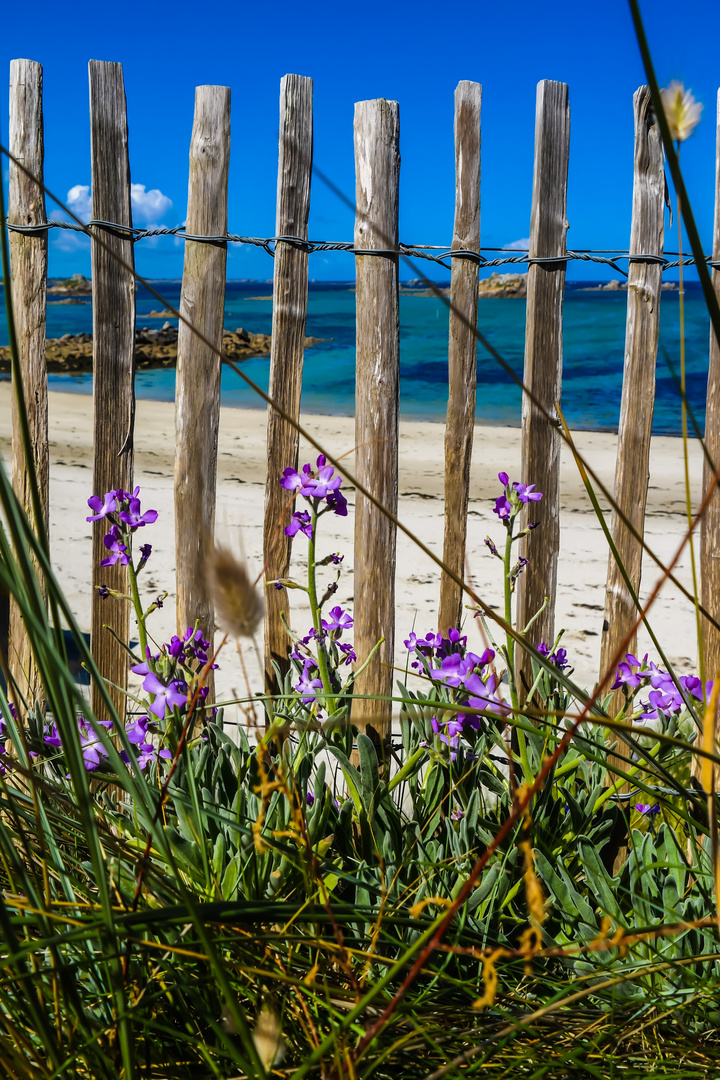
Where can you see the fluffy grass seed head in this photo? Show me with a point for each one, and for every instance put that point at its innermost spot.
(238, 604)
(682, 111)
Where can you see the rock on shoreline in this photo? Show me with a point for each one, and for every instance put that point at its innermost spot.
(618, 285)
(77, 285)
(495, 287)
(72, 353)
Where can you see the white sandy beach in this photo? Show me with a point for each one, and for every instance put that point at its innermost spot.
(241, 482)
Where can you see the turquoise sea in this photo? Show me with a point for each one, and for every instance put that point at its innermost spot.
(594, 330)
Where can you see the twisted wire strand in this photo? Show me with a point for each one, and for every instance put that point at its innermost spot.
(414, 251)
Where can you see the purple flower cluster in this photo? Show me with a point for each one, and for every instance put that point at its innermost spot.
(508, 505)
(646, 808)
(665, 696)
(126, 505)
(138, 734)
(166, 696)
(192, 646)
(93, 751)
(448, 663)
(559, 657)
(318, 486)
(310, 681)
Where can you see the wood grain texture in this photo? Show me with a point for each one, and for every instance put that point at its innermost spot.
(540, 456)
(197, 379)
(28, 262)
(290, 291)
(710, 526)
(462, 348)
(377, 178)
(632, 469)
(113, 346)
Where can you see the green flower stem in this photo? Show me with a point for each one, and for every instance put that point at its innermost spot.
(315, 608)
(510, 649)
(139, 614)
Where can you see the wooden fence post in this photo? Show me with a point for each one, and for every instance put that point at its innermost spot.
(113, 289)
(632, 469)
(377, 177)
(462, 347)
(710, 525)
(543, 361)
(197, 380)
(290, 292)
(28, 258)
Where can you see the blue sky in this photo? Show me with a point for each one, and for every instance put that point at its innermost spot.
(414, 53)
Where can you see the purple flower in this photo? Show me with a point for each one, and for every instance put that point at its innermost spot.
(165, 697)
(626, 676)
(300, 522)
(411, 642)
(450, 738)
(485, 695)
(53, 736)
(349, 654)
(136, 730)
(132, 515)
(339, 621)
(309, 798)
(278, 585)
(456, 815)
(646, 808)
(525, 492)
(145, 552)
(147, 753)
(502, 507)
(92, 749)
(103, 591)
(104, 506)
(337, 558)
(338, 502)
(325, 482)
(308, 687)
(503, 478)
(559, 657)
(144, 668)
(117, 550)
(292, 480)
(489, 544)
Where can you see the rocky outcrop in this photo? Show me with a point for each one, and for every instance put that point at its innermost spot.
(503, 285)
(77, 285)
(494, 287)
(72, 353)
(620, 285)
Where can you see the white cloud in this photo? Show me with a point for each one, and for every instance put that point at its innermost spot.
(148, 205)
(517, 245)
(78, 199)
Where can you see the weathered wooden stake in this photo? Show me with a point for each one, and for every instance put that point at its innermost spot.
(197, 380)
(377, 176)
(710, 526)
(28, 258)
(113, 347)
(290, 291)
(632, 469)
(462, 347)
(543, 361)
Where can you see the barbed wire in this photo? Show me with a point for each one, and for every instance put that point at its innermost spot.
(606, 257)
